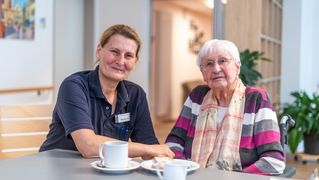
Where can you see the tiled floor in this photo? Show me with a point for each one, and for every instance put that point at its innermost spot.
(162, 128)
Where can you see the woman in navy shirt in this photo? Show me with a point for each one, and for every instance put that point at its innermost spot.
(100, 105)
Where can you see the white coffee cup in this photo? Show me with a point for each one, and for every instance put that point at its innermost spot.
(114, 154)
(173, 170)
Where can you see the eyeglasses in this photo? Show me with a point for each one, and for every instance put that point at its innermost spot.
(222, 62)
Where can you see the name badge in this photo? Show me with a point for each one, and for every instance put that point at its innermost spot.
(120, 118)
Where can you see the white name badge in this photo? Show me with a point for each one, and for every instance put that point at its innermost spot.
(120, 118)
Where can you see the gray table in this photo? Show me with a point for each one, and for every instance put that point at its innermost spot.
(61, 164)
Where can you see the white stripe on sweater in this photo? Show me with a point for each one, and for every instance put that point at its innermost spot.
(262, 114)
(193, 106)
(275, 163)
(175, 145)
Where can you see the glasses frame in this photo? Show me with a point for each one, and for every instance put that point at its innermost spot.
(221, 62)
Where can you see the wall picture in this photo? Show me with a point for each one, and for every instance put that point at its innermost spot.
(17, 19)
(26, 49)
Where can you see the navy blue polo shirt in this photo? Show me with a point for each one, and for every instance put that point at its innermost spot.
(82, 105)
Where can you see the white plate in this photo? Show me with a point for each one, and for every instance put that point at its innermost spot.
(131, 166)
(191, 167)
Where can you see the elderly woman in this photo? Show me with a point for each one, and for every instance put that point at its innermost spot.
(97, 106)
(225, 124)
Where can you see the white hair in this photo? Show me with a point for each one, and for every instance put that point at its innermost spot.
(216, 45)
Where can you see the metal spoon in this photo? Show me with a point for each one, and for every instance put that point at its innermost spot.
(100, 164)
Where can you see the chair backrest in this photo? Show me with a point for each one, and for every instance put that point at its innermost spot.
(23, 128)
(188, 86)
(285, 123)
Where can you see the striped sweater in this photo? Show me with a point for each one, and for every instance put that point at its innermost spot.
(260, 148)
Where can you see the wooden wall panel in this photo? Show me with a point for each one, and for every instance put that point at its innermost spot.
(257, 25)
(15, 142)
(23, 128)
(16, 111)
(243, 23)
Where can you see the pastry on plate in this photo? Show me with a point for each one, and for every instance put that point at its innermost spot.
(160, 162)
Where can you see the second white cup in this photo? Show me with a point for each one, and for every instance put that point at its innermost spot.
(114, 154)
(173, 170)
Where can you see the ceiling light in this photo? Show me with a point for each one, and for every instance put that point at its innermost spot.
(209, 3)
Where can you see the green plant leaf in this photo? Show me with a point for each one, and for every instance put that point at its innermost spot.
(248, 73)
(305, 111)
(294, 138)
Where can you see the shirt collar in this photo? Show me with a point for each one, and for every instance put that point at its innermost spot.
(122, 91)
(96, 90)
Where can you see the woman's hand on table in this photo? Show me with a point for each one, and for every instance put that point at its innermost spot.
(157, 150)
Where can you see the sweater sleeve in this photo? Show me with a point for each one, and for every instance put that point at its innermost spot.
(266, 139)
(177, 138)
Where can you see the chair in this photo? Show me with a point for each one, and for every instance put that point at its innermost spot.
(23, 128)
(285, 123)
(188, 86)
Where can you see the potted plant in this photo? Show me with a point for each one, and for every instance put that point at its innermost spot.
(305, 111)
(248, 73)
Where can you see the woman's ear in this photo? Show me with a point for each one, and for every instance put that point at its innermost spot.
(238, 68)
(98, 50)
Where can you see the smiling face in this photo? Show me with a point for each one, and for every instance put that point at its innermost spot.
(117, 57)
(219, 69)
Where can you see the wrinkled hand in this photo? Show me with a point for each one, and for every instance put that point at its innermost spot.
(158, 150)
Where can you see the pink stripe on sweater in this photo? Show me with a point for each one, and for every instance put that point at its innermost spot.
(191, 131)
(182, 122)
(260, 139)
(247, 142)
(253, 169)
(258, 90)
(179, 155)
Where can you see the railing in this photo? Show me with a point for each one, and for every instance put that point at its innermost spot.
(38, 89)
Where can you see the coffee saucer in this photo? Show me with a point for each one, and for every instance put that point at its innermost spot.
(131, 166)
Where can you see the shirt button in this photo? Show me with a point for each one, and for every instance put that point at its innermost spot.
(107, 108)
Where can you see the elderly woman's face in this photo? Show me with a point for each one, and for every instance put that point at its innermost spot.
(117, 57)
(219, 70)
